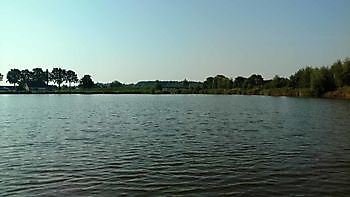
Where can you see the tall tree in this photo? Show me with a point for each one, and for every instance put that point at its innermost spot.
(47, 77)
(278, 82)
(346, 72)
(254, 81)
(86, 82)
(58, 76)
(38, 77)
(185, 84)
(14, 76)
(158, 85)
(341, 72)
(1, 76)
(116, 84)
(302, 78)
(321, 81)
(26, 77)
(71, 77)
(239, 82)
(209, 83)
(220, 81)
(337, 72)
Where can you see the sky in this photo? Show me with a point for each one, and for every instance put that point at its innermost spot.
(135, 40)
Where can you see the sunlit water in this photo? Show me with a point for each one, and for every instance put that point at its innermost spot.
(109, 145)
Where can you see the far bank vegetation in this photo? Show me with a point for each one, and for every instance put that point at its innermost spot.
(328, 81)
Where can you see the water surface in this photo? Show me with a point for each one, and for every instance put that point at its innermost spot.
(108, 145)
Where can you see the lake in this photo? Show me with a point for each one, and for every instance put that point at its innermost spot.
(204, 145)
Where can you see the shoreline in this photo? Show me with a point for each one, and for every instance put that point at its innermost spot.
(342, 93)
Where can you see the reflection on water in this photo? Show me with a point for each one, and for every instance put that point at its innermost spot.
(105, 145)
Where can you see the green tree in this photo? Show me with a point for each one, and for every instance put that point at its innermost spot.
(185, 84)
(209, 83)
(321, 81)
(158, 85)
(222, 82)
(14, 76)
(254, 81)
(47, 77)
(58, 76)
(302, 78)
(26, 77)
(1, 76)
(116, 84)
(341, 72)
(239, 82)
(71, 77)
(86, 82)
(279, 82)
(346, 72)
(38, 78)
(218, 82)
(338, 73)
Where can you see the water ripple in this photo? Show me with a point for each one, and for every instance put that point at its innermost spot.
(174, 146)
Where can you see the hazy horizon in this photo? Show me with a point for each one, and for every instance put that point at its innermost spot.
(131, 41)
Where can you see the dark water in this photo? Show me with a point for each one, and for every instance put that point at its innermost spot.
(109, 145)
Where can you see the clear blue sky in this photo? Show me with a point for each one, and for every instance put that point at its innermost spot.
(132, 40)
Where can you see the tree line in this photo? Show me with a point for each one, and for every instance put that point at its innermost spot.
(318, 80)
(39, 78)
